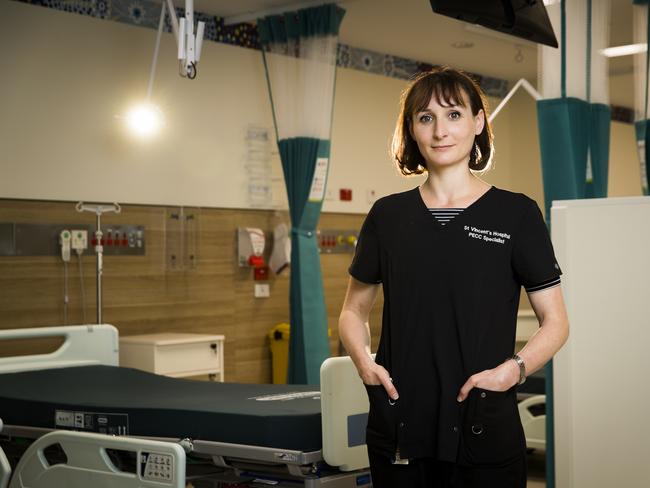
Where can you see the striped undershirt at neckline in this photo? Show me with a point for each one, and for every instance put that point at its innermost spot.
(444, 215)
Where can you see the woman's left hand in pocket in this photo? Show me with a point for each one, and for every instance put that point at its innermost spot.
(501, 378)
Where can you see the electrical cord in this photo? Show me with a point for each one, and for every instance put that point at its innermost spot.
(190, 71)
(81, 281)
(66, 298)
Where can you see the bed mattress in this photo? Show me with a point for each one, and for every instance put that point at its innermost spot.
(116, 400)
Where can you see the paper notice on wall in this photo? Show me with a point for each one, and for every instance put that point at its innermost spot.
(317, 192)
(258, 166)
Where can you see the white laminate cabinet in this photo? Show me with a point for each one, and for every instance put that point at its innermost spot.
(174, 354)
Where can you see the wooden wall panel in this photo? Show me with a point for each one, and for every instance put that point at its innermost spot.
(335, 279)
(142, 295)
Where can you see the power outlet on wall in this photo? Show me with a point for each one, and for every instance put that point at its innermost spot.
(79, 239)
(262, 290)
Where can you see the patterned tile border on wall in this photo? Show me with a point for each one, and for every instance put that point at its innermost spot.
(404, 68)
(146, 13)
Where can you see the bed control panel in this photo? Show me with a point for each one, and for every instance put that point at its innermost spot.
(102, 423)
(156, 467)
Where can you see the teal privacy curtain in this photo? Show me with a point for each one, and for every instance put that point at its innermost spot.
(574, 143)
(299, 51)
(642, 131)
(641, 69)
(574, 128)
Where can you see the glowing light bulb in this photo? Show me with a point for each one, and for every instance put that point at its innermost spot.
(144, 120)
(613, 52)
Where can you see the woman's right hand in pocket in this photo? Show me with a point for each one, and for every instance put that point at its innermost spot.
(375, 375)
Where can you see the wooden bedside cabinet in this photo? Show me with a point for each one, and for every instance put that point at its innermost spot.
(174, 354)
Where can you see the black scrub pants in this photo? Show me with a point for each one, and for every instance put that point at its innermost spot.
(491, 453)
(431, 473)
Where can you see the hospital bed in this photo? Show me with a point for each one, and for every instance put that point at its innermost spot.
(533, 420)
(74, 418)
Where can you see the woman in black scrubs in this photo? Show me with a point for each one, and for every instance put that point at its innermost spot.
(451, 256)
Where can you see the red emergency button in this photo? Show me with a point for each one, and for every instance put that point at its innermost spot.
(261, 273)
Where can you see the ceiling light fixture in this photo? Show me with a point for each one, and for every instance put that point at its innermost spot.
(144, 120)
(462, 44)
(627, 50)
(519, 55)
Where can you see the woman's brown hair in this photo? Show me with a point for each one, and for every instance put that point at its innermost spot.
(447, 85)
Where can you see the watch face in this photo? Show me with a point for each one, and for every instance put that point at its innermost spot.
(522, 369)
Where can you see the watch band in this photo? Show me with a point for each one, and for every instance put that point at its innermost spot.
(522, 368)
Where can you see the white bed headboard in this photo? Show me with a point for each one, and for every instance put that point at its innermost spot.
(83, 345)
(344, 412)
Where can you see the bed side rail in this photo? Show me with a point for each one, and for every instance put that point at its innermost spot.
(5, 467)
(83, 345)
(89, 462)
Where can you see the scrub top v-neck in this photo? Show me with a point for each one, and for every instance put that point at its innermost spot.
(451, 295)
(466, 210)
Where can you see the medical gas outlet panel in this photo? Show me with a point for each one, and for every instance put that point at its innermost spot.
(18, 239)
(122, 240)
(334, 241)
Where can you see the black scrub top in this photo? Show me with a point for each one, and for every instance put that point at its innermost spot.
(451, 296)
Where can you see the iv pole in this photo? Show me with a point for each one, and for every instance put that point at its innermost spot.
(98, 209)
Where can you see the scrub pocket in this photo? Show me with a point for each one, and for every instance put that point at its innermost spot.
(492, 431)
(381, 417)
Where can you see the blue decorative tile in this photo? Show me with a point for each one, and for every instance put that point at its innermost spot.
(102, 9)
(343, 56)
(143, 13)
(365, 60)
(403, 68)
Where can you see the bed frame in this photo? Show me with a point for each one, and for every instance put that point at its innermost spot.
(344, 411)
(83, 345)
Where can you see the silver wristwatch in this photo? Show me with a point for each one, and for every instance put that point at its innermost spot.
(522, 369)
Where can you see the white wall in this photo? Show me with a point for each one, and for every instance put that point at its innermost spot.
(624, 167)
(66, 77)
(70, 76)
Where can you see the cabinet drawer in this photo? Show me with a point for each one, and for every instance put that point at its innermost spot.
(179, 359)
